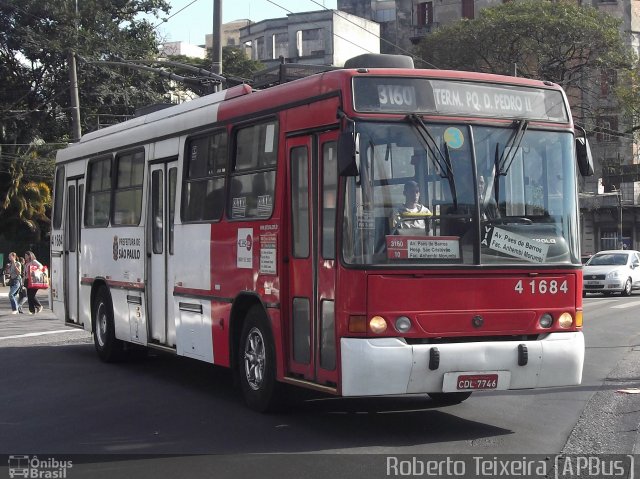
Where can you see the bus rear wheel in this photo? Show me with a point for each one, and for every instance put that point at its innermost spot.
(109, 348)
(449, 399)
(257, 363)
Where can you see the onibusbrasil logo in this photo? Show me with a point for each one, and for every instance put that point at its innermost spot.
(38, 468)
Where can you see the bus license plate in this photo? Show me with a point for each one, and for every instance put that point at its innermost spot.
(477, 381)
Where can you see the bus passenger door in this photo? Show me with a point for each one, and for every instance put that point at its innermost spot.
(160, 244)
(311, 326)
(72, 221)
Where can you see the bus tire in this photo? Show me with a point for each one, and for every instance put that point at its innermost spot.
(257, 363)
(449, 399)
(109, 348)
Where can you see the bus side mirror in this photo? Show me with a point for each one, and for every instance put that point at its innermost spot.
(347, 165)
(583, 153)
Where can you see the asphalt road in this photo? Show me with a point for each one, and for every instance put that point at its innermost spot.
(57, 398)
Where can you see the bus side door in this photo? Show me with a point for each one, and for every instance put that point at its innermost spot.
(313, 189)
(71, 265)
(160, 229)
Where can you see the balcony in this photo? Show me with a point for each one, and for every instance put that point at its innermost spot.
(421, 31)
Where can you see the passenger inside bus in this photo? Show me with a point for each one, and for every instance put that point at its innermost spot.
(411, 217)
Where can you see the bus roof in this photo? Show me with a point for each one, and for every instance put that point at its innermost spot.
(209, 109)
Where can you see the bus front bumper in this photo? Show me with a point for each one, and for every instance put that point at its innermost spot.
(384, 366)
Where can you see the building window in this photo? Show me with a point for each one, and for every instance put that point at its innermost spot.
(310, 42)
(607, 129)
(280, 45)
(384, 15)
(468, 9)
(425, 14)
(258, 51)
(608, 80)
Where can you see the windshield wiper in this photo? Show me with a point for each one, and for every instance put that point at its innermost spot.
(503, 162)
(442, 160)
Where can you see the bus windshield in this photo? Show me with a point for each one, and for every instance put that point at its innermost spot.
(458, 194)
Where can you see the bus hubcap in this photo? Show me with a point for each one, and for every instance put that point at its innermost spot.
(254, 359)
(101, 330)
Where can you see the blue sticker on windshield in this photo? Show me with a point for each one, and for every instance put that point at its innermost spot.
(453, 137)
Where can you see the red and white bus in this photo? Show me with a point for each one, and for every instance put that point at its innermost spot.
(253, 230)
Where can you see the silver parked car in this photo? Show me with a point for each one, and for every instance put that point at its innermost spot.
(612, 271)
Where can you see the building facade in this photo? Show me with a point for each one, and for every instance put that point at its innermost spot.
(325, 37)
(610, 200)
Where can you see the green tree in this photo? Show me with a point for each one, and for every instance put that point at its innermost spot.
(561, 42)
(235, 63)
(35, 40)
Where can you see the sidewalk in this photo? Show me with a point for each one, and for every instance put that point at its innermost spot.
(42, 328)
(43, 297)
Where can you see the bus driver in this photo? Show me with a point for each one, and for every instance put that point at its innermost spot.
(412, 214)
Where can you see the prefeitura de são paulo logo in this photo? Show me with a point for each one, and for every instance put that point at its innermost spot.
(115, 248)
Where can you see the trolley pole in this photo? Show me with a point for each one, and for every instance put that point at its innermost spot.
(75, 98)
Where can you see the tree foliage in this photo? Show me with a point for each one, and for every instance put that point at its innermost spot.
(561, 42)
(235, 63)
(35, 40)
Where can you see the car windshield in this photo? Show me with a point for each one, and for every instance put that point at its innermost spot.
(452, 194)
(609, 259)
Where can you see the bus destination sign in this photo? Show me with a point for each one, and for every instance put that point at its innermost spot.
(444, 97)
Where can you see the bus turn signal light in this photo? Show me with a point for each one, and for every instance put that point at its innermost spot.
(578, 319)
(357, 324)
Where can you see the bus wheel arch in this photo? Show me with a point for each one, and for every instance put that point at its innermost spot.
(108, 347)
(253, 354)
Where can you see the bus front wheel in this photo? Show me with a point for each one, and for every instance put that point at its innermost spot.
(109, 348)
(257, 364)
(448, 399)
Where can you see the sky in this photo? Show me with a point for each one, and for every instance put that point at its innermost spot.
(190, 20)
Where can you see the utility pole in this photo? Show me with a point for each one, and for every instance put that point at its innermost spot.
(75, 98)
(620, 217)
(76, 130)
(216, 46)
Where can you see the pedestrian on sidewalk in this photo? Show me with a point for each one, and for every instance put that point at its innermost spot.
(31, 264)
(15, 274)
(22, 292)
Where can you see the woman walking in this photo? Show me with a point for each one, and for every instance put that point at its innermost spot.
(30, 263)
(15, 282)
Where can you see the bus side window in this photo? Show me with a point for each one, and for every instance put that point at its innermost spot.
(205, 167)
(254, 175)
(98, 205)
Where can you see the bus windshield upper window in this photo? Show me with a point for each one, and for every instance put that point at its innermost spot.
(461, 211)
